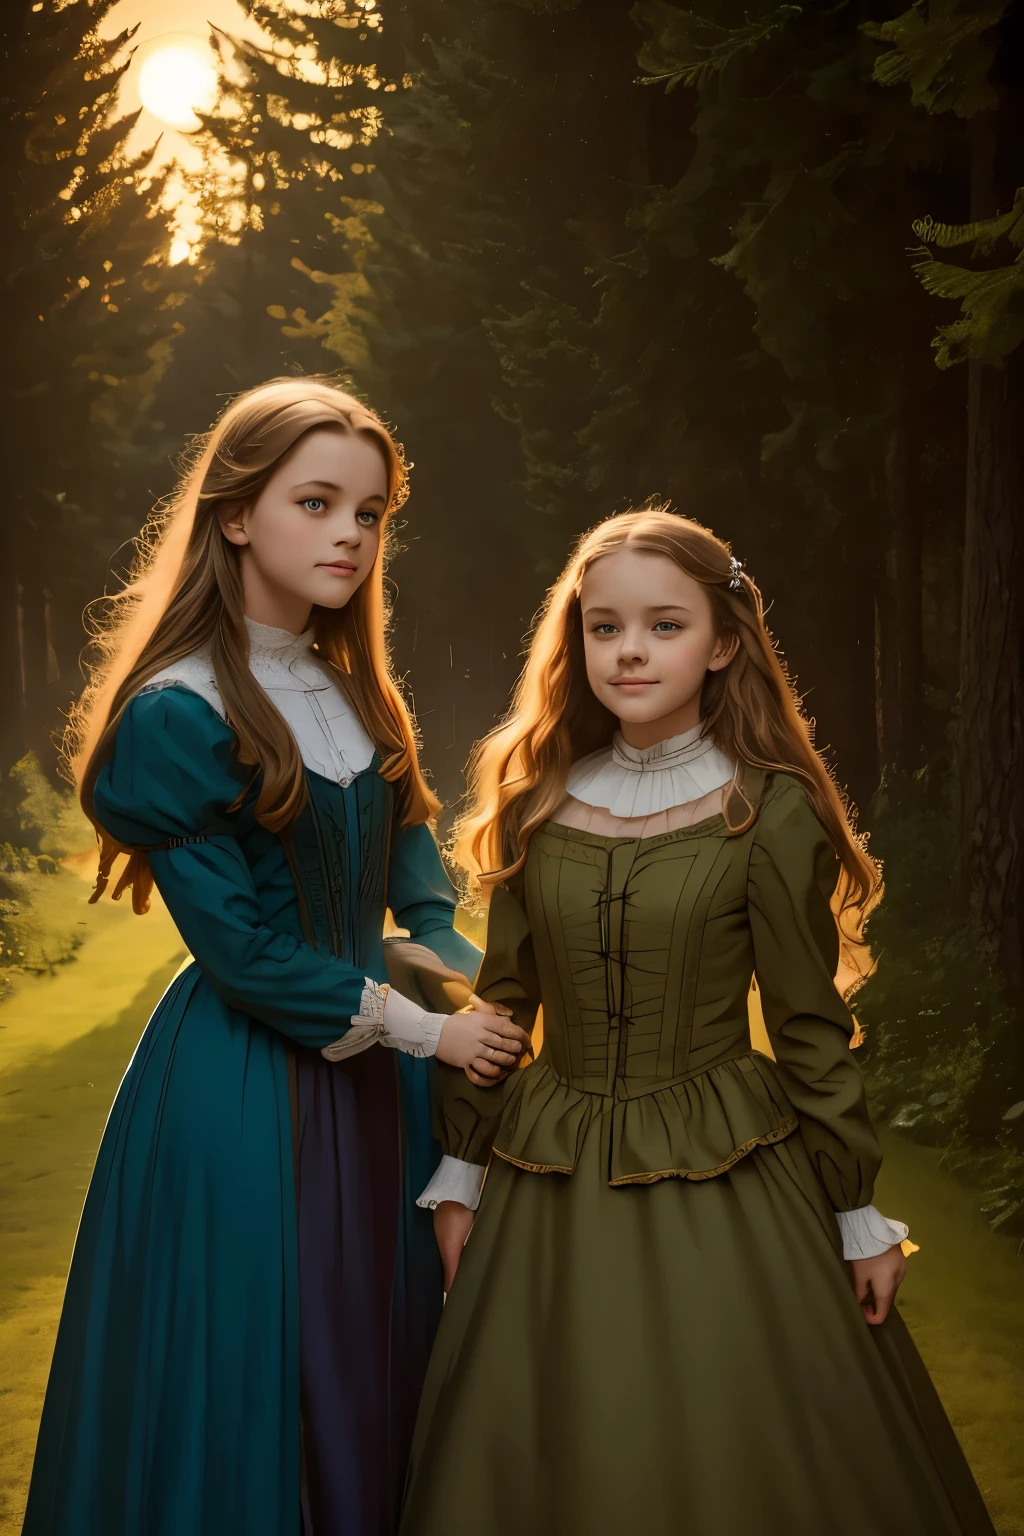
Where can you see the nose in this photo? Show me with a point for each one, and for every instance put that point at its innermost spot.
(632, 646)
(347, 530)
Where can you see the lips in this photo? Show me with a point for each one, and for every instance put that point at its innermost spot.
(343, 567)
(635, 682)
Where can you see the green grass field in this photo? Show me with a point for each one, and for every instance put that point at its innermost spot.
(66, 1039)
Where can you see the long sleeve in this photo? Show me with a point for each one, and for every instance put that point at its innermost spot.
(467, 1117)
(792, 875)
(422, 899)
(174, 775)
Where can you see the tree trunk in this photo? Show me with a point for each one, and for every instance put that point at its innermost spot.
(991, 680)
(992, 667)
(38, 720)
(898, 634)
(12, 711)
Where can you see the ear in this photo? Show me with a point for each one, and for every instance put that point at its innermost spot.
(232, 517)
(723, 652)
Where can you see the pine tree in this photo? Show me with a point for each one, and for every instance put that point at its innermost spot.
(296, 121)
(87, 311)
(505, 169)
(797, 423)
(968, 59)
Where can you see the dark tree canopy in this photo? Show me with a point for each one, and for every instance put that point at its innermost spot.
(762, 260)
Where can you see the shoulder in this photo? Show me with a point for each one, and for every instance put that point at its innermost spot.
(193, 673)
(173, 768)
(788, 835)
(785, 802)
(173, 710)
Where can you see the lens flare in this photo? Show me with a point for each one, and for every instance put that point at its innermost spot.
(176, 81)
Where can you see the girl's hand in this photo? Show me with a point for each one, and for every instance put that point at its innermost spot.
(482, 1039)
(452, 1225)
(482, 1071)
(876, 1281)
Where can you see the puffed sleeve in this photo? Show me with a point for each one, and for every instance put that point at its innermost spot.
(173, 775)
(467, 1117)
(792, 875)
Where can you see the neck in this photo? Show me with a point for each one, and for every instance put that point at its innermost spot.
(648, 733)
(267, 604)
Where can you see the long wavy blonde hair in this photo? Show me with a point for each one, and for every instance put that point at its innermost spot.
(185, 589)
(749, 708)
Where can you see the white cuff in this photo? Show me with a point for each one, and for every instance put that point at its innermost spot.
(385, 1017)
(454, 1180)
(866, 1232)
(408, 1027)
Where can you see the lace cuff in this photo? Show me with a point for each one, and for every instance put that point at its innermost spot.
(454, 1180)
(365, 1027)
(866, 1232)
(385, 1017)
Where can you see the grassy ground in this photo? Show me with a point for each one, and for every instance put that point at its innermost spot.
(963, 1300)
(65, 1041)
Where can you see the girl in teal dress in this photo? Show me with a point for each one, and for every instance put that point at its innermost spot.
(673, 1310)
(253, 1291)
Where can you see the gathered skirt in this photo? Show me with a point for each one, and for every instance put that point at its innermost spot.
(676, 1359)
(244, 1333)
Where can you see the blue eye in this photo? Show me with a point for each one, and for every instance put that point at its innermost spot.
(371, 518)
(604, 629)
(665, 626)
(313, 503)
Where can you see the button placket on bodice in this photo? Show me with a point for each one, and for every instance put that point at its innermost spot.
(342, 768)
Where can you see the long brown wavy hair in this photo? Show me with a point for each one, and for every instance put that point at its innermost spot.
(185, 590)
(749, 708)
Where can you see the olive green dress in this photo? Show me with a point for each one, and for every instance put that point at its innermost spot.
(652, 1329)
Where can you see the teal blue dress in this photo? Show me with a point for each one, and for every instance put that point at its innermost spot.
(252, 1280)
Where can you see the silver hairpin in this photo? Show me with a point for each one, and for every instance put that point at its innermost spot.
(735, 574)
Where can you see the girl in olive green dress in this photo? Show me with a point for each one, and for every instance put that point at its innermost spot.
(673, 1314)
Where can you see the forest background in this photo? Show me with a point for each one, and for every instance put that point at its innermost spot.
(764, 261)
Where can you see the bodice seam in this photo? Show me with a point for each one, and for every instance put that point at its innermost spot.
(614, 1097)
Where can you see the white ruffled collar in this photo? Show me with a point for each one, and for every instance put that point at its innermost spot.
(640, 781)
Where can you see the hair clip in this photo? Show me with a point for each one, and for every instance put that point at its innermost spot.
(735, 574)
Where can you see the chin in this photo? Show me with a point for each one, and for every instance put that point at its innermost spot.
(334, 598)
(639, 711)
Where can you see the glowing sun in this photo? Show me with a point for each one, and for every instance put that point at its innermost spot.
(177, 78)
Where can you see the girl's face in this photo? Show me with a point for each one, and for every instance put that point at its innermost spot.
(650, 641)
(313, 534)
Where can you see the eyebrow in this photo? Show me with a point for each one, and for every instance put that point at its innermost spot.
(329, 485)
(651, 608)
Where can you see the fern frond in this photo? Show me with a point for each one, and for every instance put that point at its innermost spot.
(983, 231)
(696, 62)
(941, 49)
(991, 306)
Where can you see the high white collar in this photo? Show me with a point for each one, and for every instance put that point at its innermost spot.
(640, 781)
(266, 642)
(329, 735)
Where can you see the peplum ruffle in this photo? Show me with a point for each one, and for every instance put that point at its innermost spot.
(694, 1127)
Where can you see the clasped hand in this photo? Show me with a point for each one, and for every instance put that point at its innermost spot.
(482, 1039)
